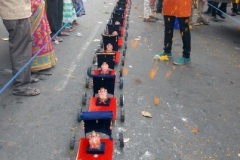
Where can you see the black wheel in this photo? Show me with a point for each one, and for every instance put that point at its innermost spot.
(121, 140)
(89, 70)
(72, 142)
(94, 59)
(124, 53)
(121, 83)
(122, 115)
(121, 100)
(121, 72)
(125, 45)
(126, 33)
(98, 50)
(122, 62)
(79, 117)
(84, 99)
(87, 83)
(125, 38)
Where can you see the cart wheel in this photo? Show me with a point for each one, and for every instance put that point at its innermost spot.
(121, 140)
(94, 59)
(121, 100)
(72, 142)
(89, 70)
(126, 32)
(122, 61)
(79, 117)
(124, 53)
(98, 50)
(122, 115)
(121, 72)
(121, 83)
(87, 82)
(84, 99)
(125, 45)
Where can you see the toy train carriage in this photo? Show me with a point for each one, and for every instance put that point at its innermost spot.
(105, 66)
(102, 58)
(110, 44)
(99, 122)
(124, 5)
(106, 83)
(117, 28)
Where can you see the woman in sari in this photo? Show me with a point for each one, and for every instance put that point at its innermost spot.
(41, 35)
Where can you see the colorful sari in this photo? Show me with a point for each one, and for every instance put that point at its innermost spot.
(41, 35)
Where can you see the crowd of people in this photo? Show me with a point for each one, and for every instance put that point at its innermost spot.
(32, 26)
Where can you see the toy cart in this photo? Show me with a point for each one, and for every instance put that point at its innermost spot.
(103, 57)
(112, 27)
(106, 82)
(100, 122)
(113, 40)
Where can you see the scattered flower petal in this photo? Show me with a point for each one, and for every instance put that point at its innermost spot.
(146, 114)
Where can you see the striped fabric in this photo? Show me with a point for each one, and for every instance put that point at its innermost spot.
(69, 13)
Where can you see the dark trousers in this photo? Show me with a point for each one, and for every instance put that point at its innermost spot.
(55, 15)
(214, 10)
(159, 6)
(222, 7)
(20, 49)
(184, 31)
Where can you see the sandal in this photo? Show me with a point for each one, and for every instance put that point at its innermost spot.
(63, 34)
(34, 80)
(28, 92)
(69, 29)
(57, 39)
(149, 20)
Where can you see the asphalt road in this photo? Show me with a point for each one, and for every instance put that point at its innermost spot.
(197, 117)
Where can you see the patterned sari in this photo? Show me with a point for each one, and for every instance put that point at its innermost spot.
(41, 35)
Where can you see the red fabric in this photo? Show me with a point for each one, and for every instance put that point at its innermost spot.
(112, 106)
(117, 57)
(177, 8)
(96, 72)
(82, 154)
(120, 41)
(122, 31)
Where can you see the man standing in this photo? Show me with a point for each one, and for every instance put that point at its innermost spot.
(15, 16)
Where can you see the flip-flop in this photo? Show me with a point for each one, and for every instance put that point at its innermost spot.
(57, 39)
(34, 80)
(28, 92)
(63, 34)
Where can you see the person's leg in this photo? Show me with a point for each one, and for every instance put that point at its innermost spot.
(209, 10)
(147, 12)
(186, 39)
(20, 49)
(159, 6)
(168, 33)
(186, 36)
(52, 14)
(200, 18)
(222, 8)
(192, 13)
(214, 12)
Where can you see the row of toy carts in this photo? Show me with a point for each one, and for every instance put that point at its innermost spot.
(103, 111)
